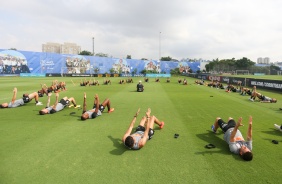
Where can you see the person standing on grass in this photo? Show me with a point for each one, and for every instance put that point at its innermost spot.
(25, 99)
(97, 108)
(234, 138)
(140, 87)
(58, 106)
(143, 132)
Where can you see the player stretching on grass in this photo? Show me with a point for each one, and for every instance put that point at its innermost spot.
(143, 132)
(25, 99)
(58, 106)
(234, 138)
(97, 108)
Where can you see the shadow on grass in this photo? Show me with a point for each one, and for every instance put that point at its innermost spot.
(119, 148)
(273, 132)
(215, 139)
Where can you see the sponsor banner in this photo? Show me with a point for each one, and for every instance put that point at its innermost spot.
(158, 75)
(81, 75)
(9, 75)
(214, 78)
(32, 75)
(266, 84)
(132, 75)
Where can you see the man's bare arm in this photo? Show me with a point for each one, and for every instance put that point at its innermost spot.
(127, 133)
(56, 102)
(250, 133)
(14, 94)
(84, 103)
(97, 103)
(233, 133)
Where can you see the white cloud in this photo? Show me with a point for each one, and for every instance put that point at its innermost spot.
(189, 29)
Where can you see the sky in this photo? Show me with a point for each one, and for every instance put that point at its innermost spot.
(195, 29)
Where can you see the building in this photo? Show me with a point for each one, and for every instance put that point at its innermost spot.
(265, 60)
(66, 48)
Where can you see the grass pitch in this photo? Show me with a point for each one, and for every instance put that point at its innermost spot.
(60, 148)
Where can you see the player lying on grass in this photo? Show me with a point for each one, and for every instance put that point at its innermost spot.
(58, 106)
(234, 138)
(97, 108)
(94, 82)
(143, 132)
(262, 98)
(25, 99)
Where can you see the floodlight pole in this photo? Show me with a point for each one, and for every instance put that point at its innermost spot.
(93, 45)
(160, 46)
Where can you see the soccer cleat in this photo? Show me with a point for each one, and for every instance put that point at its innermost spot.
(212, 128)
(111, 110)
(251, 99)
(70, 105)
(77, 106)
(39, 103)
(162, 125)
(278, 127)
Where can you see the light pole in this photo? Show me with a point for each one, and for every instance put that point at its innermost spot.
(160, 46)
(93, 45)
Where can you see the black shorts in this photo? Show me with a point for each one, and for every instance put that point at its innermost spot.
(101, 107)
(26, 99)
(225, 126)
(142, 129)
(64, 102)
(94, 115)
(40, 94)
(140, 90)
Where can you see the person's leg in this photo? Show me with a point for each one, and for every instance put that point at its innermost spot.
(72, 100)
(153, 119)
(34, 96)
(107, 103)
(143, 121)
(219, 123)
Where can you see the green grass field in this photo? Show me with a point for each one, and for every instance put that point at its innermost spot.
(60, 148)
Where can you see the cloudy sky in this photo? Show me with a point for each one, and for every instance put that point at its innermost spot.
(206, 29)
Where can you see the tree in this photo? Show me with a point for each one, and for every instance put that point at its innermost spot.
(128, 57)
(12, 49)
(85, 53)
(144, 59)
(166, 58)
(244, 63)
(100, 54)
(112, 70)
(175, 71)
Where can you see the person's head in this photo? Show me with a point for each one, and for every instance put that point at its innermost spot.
(4, 105)
(273, 100)
(129, 141)
(84, 116)
(245, 153)
(43, 112)
(140, 82)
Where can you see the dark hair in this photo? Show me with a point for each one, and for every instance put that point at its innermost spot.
(82, 118)
(42, 112)
(248, 156)
(273, 100)
(129, 141)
